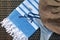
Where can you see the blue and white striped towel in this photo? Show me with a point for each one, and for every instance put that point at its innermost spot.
(21, 24)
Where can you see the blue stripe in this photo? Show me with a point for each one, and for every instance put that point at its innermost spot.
(26, 6)
(21, 23)
(26, 14)
(36, 23)
(32, 5)
(36, 2)
(23, 10)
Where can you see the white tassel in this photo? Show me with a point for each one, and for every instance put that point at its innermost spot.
(3, 22)
(13, 30)
(11, 27)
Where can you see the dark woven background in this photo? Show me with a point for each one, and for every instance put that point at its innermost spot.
(6, 7)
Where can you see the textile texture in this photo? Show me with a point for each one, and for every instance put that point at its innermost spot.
(6, 7)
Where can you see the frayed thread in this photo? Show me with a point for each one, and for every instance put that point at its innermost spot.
(13, 30)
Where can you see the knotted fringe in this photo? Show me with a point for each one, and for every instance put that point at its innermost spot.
(13, 30)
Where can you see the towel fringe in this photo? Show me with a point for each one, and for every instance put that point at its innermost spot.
(13, 30)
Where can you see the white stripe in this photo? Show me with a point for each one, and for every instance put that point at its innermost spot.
(20, 11)
(29, 5)
(33, 24)
(26, 10)
(34, 3)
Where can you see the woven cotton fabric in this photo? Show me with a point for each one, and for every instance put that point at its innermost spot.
(15, 27)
